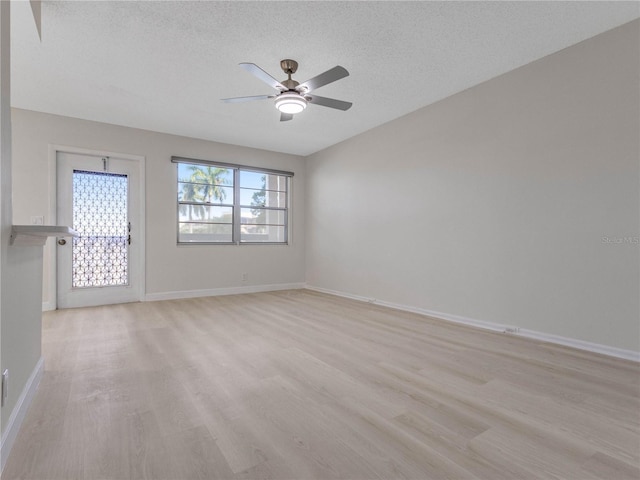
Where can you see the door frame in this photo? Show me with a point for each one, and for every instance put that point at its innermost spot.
(53, 149)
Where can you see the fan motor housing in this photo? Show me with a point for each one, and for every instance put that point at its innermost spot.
(289, 66)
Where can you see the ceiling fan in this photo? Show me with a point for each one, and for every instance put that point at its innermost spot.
(292, 96)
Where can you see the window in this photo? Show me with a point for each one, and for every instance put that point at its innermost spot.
(224, 203)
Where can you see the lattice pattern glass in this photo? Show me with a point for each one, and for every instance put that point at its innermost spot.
(100, 252)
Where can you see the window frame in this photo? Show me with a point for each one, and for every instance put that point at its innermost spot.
(236, 205)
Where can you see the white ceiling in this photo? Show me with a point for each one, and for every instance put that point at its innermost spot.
(164, 66)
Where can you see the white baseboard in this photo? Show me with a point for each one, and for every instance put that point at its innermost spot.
(153, 297)
(19, 412)
(580, 344)
(496, 327)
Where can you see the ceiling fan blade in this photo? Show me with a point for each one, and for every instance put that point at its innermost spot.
(246, 99)
(285, 117)
(336, 73)
(257, 72)
(329, 102)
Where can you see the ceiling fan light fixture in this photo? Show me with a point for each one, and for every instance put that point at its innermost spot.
(292, 95)
(290, 102)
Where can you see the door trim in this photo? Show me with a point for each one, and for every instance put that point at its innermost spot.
(51, 303)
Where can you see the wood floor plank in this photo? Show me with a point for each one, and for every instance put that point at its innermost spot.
(298, 384)
(450, 443)
(602, 465)
(604, 434)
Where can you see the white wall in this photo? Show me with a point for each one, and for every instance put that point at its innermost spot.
(493, 204)
(170, 269)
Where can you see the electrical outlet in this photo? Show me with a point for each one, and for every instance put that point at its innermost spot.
(245, 277)
(5, 386)
(37, 220)
(512, 330)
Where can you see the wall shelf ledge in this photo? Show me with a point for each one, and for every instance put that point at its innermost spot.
(36, 235)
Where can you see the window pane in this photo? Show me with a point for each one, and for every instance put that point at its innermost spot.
(262, 216)
(191, 172)
(205, 232)
(266, 198)
(263, 189)
(258, 180)
(204, 193)
(262, 233)
(205, 213)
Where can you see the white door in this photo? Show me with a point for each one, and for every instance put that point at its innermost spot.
(99, 198)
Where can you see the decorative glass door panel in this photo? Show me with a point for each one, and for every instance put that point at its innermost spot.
(100, 252)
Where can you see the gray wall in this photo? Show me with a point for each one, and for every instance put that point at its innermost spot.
(21, 267)
(494, 204)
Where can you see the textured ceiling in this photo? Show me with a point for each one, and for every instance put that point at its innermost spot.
(164, 66)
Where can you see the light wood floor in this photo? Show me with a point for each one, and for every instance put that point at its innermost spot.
(300, 385)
